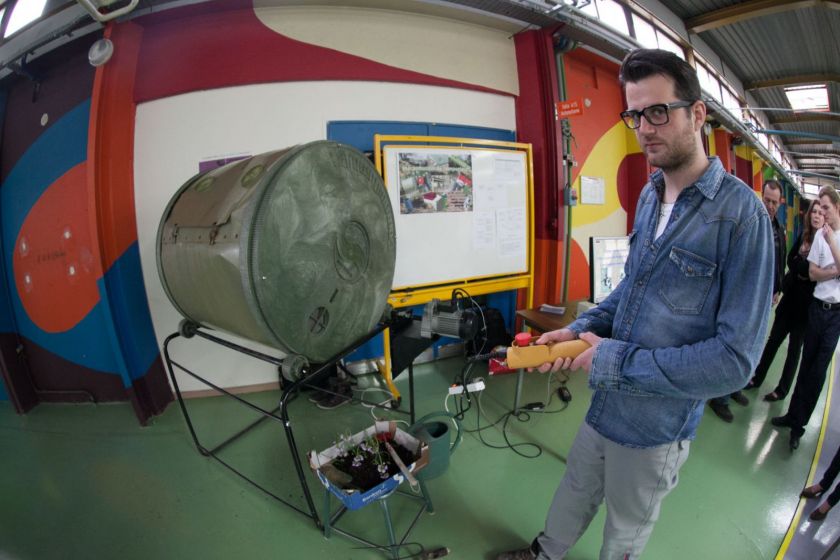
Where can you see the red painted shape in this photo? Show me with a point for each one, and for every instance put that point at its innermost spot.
(578, 274)
(186, 54)
(535, 124)
(110, 190)
(55, 270)
(743, 169)
(723, 149)
(633, 172)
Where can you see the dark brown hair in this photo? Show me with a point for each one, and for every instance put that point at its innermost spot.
(643, 63)
(808, 231)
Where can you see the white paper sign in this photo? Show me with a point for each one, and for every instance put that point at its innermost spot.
(591, 190)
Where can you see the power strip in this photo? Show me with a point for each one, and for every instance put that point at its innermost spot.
(474, 387)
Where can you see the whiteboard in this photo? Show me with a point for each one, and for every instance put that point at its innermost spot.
(460, 213)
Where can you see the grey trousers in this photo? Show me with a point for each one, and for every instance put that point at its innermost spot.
(632, 481)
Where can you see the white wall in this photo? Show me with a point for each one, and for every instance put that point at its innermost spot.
(172, 135)
(440, 47)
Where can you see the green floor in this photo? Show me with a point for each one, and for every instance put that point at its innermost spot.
(85, 481)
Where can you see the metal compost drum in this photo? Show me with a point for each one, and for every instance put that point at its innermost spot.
(294, 249)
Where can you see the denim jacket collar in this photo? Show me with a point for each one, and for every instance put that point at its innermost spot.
(708, 184)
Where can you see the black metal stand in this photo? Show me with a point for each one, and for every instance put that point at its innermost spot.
(288, 391)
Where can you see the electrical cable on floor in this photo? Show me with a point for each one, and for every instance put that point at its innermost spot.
(522, 416)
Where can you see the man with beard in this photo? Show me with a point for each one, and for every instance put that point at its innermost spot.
(686, 324)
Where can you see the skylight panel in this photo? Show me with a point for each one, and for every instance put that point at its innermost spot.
(24, 13)
(808, 98)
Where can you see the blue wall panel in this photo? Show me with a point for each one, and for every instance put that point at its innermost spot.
(130, 308)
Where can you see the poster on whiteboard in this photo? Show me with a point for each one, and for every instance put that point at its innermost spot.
(460, 213)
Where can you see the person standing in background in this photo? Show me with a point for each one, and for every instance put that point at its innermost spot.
(823, 320)
(771, 197)
(792, 312)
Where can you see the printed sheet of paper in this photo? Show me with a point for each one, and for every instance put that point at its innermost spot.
(484, 231)
(510, 225)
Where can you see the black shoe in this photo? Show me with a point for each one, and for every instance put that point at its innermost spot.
(809, 494)
(794, 442)
(817, 514)
(740, 398)
(780, 421)
(773, 396)
(722, 411)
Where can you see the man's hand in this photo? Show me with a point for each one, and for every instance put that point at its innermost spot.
(560, 335)
(776, 297)
(584, 360)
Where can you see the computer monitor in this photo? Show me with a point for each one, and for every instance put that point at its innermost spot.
(606, 265)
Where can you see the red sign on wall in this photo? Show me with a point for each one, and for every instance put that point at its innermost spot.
(571, 108)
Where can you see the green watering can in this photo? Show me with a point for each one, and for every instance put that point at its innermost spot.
(437, 436)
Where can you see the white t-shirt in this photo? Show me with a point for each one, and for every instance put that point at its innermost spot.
(827, 290)
(664, 215)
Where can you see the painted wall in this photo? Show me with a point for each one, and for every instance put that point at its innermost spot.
(82, 193)
(78, 346)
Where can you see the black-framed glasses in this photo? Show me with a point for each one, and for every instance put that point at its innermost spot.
(657, 115)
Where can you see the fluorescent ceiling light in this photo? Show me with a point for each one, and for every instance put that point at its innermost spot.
(808, 98)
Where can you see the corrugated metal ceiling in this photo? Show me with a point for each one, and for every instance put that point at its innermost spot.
(787, 44)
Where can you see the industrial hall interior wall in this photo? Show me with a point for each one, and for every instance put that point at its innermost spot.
(89, 158)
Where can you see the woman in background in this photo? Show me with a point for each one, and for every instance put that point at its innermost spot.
(792, 311)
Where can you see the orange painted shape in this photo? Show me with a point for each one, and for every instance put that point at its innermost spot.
(55, 270)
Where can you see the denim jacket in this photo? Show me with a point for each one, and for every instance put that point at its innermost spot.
(687, 323)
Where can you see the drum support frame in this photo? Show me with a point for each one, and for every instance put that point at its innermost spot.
(288, 390)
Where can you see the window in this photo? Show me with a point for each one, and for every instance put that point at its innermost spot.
(709, 82)
(612, 14)
(24, 12)
(590, 9)
(665, 43)
(645, 33)
(731, 103)
(811, 189)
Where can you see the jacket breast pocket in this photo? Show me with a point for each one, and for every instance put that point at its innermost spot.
(686, 281)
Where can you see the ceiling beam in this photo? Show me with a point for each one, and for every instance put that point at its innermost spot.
(810, 117)
(801, 79)
(748, 10)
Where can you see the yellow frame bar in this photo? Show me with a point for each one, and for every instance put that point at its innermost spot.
(419, 295)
